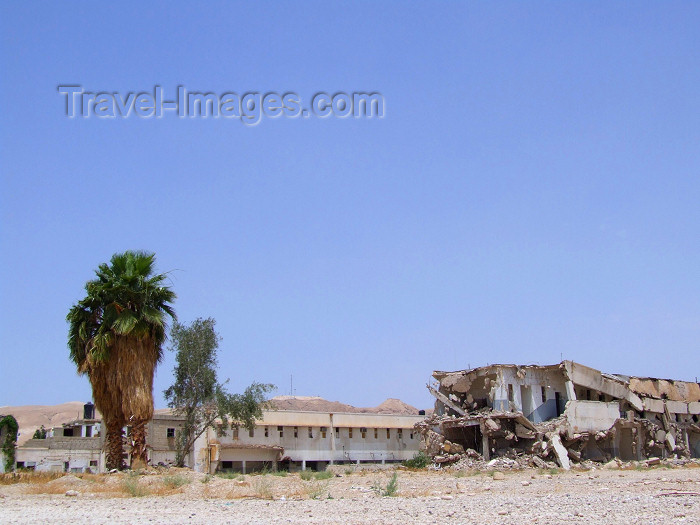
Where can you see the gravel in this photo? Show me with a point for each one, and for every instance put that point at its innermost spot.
(597, 496)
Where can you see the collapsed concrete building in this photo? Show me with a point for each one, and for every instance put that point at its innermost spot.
(566, 412)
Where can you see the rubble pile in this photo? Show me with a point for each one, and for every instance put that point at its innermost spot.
(479, 421)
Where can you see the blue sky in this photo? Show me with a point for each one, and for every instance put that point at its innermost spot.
(532, 192)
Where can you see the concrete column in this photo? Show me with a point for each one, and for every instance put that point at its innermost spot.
(485, 450)
(243, 466)
(303, 464)
(570, 391)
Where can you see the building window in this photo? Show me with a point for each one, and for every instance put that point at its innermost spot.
(363, 432)
(376, 433)
(337, 433)
(68, 432)
(588, 394)
(399, 433)
(311, 433)
(170, 432)
(20, 464)
(510, 393)
(251, 433)
(296, 432)
(267, 432)
(93, 462)
(411, 435)
(88, 431)
(323, 432)
(350, 433)
(235, 433)
(280, 429)
(544, 394)
(388, 433)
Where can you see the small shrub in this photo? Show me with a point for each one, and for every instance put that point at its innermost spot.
(132, 487)
(306, 475)
(316, 489)
(419, 461)
(280, 473)
(325, 474)
(392, 487)
(176, 481)
(207, 478)
(262, 487)
(348, 471)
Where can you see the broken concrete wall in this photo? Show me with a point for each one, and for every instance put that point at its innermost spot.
(533, 391)
(590, 416)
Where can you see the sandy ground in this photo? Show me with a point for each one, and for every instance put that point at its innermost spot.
(657, 495)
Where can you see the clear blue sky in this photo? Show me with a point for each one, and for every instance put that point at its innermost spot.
(533, 190)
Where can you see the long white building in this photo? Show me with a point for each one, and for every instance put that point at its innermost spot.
(297, 440)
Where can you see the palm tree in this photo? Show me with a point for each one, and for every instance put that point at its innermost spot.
(116, 337)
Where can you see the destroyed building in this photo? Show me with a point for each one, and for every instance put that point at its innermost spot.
(564, 412)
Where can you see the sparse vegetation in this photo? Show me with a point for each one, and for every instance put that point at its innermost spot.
(325, 474)
(133, 487)
(262, 487)
(419, 461)
(316, 489)
(391, 488)
(176, 481)
(229, 474)
(306, 475)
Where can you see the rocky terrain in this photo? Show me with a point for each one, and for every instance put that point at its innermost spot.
(634, 494)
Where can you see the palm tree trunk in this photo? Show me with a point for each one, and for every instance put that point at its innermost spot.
(139, 454)
(115, 445)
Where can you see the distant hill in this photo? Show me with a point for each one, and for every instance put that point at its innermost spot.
(318, 404)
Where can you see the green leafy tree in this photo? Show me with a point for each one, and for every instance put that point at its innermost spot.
(40, 433)
(115, 336)
(9, 425)
(196, 393)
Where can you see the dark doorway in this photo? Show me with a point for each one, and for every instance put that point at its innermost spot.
(557, 401)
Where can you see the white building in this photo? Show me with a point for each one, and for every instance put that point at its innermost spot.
(299, 440)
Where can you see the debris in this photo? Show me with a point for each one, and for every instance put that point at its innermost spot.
(498, 476)
(510, 416)
(72, 493)
(560, 452)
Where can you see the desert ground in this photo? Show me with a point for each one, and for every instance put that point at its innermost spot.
(662, 494)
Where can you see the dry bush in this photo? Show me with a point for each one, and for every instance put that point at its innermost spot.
(10, 478)
(262, 487)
